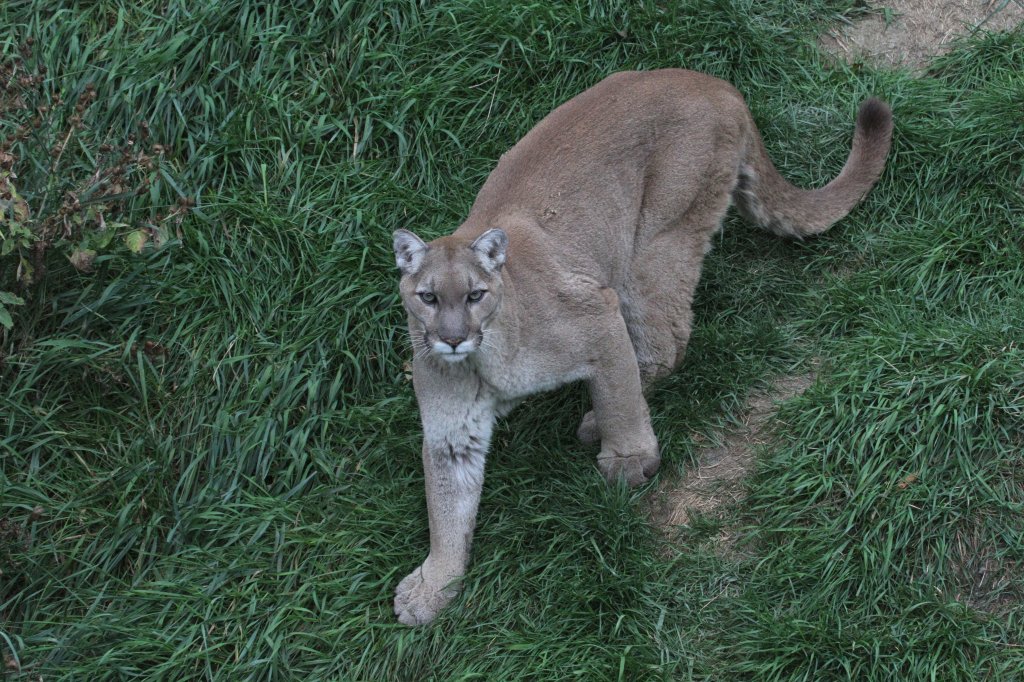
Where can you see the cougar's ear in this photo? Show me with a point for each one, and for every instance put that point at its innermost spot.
(409, 251)
(490, 249)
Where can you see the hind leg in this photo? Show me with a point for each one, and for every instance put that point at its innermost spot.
(659, 315)
(656, 307)
(673, 234)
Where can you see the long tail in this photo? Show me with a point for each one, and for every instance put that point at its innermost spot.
(766, 199)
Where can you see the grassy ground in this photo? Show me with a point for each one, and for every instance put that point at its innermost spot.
(238, 498)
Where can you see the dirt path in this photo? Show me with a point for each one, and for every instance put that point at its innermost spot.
(718, 477)
(907, 33)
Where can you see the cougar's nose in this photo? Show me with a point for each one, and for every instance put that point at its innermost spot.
(453, 342)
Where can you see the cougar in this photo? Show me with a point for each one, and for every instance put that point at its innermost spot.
(578, 261)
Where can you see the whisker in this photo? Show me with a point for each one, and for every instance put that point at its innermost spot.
(420, 346)
(486, 336)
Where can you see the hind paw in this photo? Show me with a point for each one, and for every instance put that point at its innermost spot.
(588, 432)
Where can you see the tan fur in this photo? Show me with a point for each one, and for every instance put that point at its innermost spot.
(586, 242)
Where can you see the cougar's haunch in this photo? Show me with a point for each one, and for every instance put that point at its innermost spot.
(578, 261)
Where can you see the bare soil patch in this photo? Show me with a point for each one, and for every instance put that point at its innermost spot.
(718, 477)
(908, 33)
(984, 581)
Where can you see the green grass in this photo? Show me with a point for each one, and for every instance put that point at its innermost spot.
(241, 504)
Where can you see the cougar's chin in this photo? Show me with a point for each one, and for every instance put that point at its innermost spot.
(454, 357)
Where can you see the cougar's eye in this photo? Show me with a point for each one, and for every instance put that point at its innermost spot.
(475, 295)
(427, 297)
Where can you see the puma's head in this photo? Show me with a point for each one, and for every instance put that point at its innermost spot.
(452, 290)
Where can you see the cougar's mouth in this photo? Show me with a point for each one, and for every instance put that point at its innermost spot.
(453, 354)
(461, 349)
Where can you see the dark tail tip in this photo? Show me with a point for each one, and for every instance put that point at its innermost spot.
(875, 118)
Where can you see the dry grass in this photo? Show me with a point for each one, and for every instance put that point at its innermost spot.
(909, 33)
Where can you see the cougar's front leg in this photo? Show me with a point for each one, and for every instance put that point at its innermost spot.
(629, 449)
(456, 436)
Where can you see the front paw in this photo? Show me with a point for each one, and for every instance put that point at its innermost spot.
(418, 599)
(634, 468)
